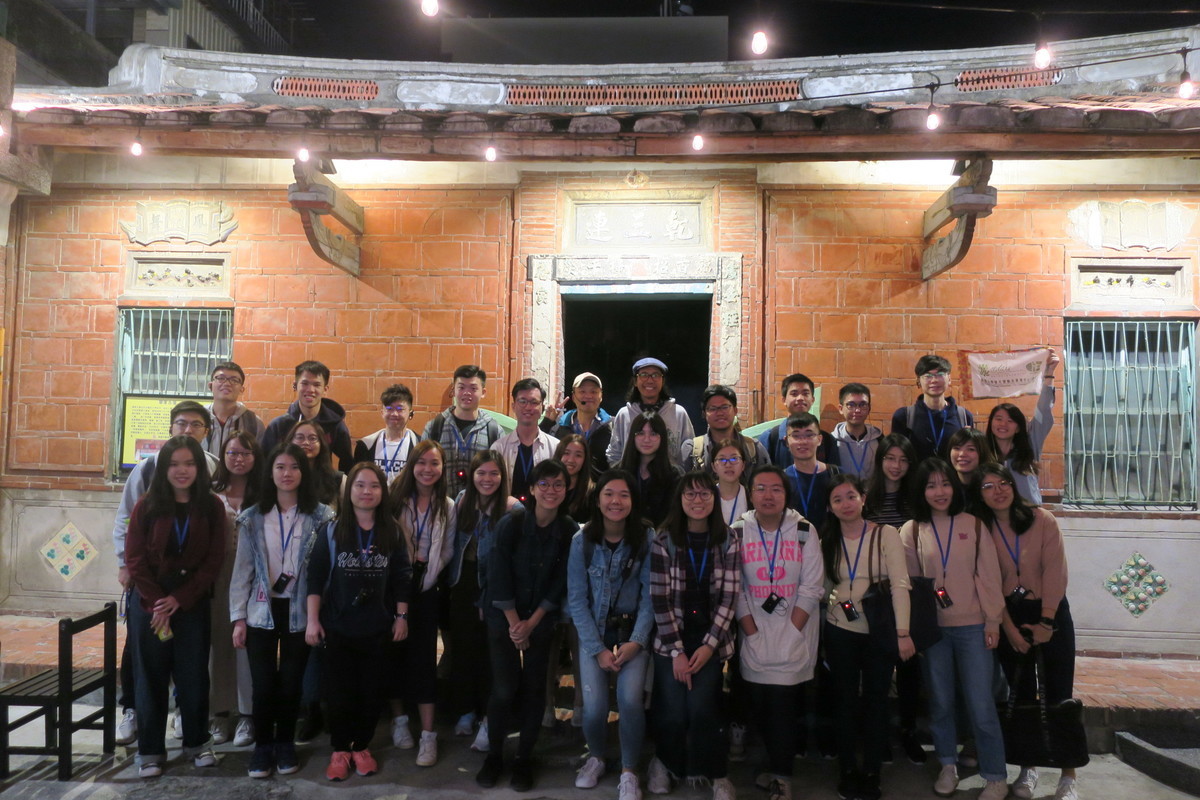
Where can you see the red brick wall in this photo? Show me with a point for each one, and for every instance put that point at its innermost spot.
(430, 297)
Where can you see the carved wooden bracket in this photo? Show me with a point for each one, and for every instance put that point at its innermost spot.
(313, 195)
(966, 201)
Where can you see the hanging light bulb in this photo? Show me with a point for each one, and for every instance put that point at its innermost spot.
(136, 148)
(758, 43)
(933, 120)
(429, 8)
(1187, 87)
(490, 153)
(302, 155)
(697, 142)
(1042, 57)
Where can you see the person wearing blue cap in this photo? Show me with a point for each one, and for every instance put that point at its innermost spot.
(648, 392)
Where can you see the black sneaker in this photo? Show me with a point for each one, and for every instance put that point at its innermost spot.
(286, 761)
(310, 726)
(912, 747)
(262, 761)
(868, 787)
(847, 787)
(522, 775)
(489, 773)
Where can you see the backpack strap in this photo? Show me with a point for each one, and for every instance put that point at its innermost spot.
(912, 416)
(962, 416)
(875, 553)
(773, 442)
(332, 556)
(436, 427)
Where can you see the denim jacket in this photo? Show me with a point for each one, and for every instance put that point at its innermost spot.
(596, 590)
(249, 593)
(484, 530)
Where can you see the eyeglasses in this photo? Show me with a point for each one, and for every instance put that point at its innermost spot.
(233, 380)
(697, 494)
(729, 460)
(763, 488)
(649, 376)
(1000, 484)
(237, 455)
(934, 374)
(855, 405)
(189, 425)
(300, 438)
(718, 409)
(551, 486)
(527, 402)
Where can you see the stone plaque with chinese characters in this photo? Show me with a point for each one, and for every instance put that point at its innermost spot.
(201, 222)
(642, 226)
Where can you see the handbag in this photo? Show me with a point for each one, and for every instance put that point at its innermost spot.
(881, 614)
(1037, 735)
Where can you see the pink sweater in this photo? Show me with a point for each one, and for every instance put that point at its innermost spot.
(1043, 560)
(972, 572)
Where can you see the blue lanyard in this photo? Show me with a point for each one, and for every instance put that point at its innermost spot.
(949, 543)
(365, 550)
(937, 439)
(853, 570)
(1016, 556)
(420, 522)
(181, 535)
(774, 550)
(389, 463)
(703, 564)
(577, 428)
(733, 511)
(861, 460)
(283, 543)
(803, 496)
(467, 445)
(525, 462)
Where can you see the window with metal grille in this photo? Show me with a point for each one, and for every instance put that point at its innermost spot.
(1131, 413)
(164, 355)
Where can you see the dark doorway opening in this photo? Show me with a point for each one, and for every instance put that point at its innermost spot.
(605, 334)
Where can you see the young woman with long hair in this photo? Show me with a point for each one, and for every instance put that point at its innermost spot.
(268, 602)
(647, 458)
(608, 594)
(575, 455)
(327, 481)
(236, 481)
(1033, 568)
(358, 587)
(953, 548)
(967, 449)
(477, 511)
(174, 548)
(695, 581)
(783, 581)
(526, 587)
(1016, 443)
(856, 554)
(426, 519)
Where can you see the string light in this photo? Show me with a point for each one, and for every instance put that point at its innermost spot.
(697, 142)
(758, 43)
(933, 120)
(136, 148)
(490, 153)
(302, 155)
(1187, 87)
(429, 8)
(1042, 57)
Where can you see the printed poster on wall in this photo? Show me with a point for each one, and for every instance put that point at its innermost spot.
(146, 424)
(1009, 374)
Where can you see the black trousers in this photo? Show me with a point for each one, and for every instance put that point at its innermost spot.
(862, 675)
(771, 709)
(353, 680)
(1058, 655)
(415, 659)
(470, 666)
(277, 660)
(518, 681)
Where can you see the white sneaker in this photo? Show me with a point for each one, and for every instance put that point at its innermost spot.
(995, 790)
(465, 725)
(151, 769)
(590, 773)
(658, 778)
(427, 754)
(127, 727)
(947, 781)
(1025, 783)
(205, 758)
(737, 742)
(780, 789)
(482, 744)
(723, 789)
(628, 788)
(401, 736)
(243, 735)
(1068, 789)
(217, 730)
(177, 725)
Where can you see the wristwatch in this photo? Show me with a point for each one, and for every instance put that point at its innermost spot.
(1047, 622)
(676, 653)
(402, 615)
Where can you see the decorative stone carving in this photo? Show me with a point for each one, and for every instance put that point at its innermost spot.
(201, 222)
(68, 551)
(1102, 224)
(1131, 283)
(640, 225)
(170, 274)
(1136, 584)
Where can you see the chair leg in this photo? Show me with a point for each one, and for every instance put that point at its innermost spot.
(51, 717)
(4, 740)
(66, 726)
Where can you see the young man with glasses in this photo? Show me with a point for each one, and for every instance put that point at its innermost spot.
(856, 440)
(389, 447)
(720, 411)
(311, 383)
(228, 413)
(188, 418)
(799, 393)
(648, 392)
(934, 417)
(527, 445)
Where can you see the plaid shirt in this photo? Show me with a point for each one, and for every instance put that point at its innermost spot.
(668, 578)
(460, 448)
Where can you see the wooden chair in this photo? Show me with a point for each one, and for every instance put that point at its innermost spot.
(53, 692)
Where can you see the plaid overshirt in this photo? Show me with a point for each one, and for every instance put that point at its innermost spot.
(668, 577)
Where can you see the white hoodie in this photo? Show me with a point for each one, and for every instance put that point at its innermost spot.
(779, 654)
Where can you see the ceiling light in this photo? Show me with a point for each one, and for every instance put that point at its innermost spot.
(758, 43)
(302, 155)
(933, 120)
(697, 142)
(429, 8)
(136, 148)
(490, 153)
(1042, 57)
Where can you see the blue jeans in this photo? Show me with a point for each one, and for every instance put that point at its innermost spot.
(962, 653)
(631, 686)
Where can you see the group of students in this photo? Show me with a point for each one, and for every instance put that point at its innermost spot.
(697, 556)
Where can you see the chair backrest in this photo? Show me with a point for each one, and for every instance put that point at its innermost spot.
(69, 628)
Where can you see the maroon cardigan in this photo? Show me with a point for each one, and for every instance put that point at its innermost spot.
(201, 559)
